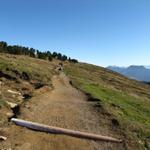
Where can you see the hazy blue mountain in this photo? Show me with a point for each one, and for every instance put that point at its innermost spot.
(140, 73)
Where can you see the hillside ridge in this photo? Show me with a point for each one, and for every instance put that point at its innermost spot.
(96, 99)
(140, 73)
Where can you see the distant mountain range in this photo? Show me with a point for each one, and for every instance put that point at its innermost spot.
(141, 73)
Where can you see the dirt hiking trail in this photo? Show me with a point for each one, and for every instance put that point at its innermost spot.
(64, 107)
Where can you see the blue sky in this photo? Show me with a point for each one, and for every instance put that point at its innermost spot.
(102, 32)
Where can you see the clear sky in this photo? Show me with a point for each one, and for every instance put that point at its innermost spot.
(102, 32)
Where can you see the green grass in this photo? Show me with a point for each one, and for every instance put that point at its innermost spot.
(130, 108)
(133, 114)
(127, 100)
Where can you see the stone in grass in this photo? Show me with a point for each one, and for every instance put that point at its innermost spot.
(3, 138)
(12, 105)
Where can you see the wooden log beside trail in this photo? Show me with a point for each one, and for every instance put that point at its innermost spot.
(57, 130)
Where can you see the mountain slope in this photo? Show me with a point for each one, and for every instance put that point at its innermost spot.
(136, 72)
(128, 101)
(104, 102)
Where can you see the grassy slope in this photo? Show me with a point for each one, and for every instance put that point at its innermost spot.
(39, 71)
(127, 100)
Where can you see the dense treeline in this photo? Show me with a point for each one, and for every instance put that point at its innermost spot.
(21, 50)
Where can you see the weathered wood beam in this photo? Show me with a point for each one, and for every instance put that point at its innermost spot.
(57, 130)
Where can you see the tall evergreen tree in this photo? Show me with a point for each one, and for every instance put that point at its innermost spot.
(3, 46)
(59, 56)
(54, 55)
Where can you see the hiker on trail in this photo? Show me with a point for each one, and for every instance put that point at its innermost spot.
(60, 66)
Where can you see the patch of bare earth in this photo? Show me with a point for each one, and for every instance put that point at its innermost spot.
(64, 107)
